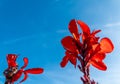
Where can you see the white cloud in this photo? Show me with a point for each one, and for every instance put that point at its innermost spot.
(111, 76)
(17, 39)
(72, 76)
(112, 24)
(64, 76)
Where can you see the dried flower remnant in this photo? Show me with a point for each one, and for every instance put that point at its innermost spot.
(86, 48)
(12, 73)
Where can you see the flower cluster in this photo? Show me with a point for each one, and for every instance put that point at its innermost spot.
(86, 48)
(12, 73)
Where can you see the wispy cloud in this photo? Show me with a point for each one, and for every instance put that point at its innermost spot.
(65, 76)
(112, 24)
(111, 76)
(24, 38)
(17, 39)
(72, 76)
(58, 76)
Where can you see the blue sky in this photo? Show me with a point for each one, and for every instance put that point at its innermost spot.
(34, 28)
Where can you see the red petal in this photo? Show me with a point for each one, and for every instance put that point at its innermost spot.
(73, 29)
(72, 57)
(12, 64)
(98, 64)
(64, 61)
(25, 62)
(95, 32)
(11, 59)
(98, 57)
(34, 71)
(95, 46)
(73, 60)
(69, 44)
(84, 27)
(25, 77)
(106, 45)
(17, 76)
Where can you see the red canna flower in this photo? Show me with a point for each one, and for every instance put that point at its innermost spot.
(12, 73)
(86, 48)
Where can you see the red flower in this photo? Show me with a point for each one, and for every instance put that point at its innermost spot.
(12, 73)
(86, 48)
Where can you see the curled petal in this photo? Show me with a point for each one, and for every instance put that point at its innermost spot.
(84, 27)
(25, 62)
(74, 29)
(25, 77)
(98, 64)
(95, 32)
(106, 45)
(69, 44)
(34, 71)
